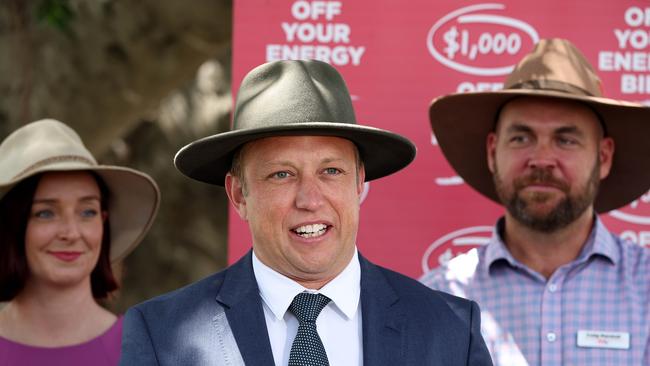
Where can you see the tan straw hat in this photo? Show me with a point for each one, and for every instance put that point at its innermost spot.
(49, 145)
(294, 98)
(554, 69)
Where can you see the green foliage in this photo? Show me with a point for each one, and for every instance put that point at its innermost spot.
(56, 13)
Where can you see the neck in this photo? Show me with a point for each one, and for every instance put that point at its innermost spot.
(545, 252)
(48, 316)
(315, 284)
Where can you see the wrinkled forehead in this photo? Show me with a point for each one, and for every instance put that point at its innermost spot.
(555, 109)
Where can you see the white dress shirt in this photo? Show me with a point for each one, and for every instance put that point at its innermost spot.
(339, 324)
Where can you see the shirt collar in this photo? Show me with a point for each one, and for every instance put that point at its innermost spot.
(496, 249)
(599, 242)
(277, 291)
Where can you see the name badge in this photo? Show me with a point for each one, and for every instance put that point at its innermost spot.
(603, 339)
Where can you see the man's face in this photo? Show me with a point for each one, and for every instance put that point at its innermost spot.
(301, 201)
(547, 158)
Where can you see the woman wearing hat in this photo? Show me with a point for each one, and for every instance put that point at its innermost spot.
(64, 220)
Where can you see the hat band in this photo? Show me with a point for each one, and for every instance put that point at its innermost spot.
(54, 160)
(551, 85)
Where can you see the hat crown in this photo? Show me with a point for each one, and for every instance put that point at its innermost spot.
(40, 143)
(557, 65)
(288, 92)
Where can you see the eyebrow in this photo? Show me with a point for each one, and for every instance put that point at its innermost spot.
(54, 200)
(331, 160)
(517, 127)
(570, 129)
(287, 162)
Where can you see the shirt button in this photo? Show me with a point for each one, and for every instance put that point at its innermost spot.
(551, 337)
(552, 287)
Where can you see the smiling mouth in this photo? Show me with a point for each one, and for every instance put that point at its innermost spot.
(66, 256)
(311, 231)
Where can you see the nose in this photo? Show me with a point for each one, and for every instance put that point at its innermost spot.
(309, 195)
(542, 157)
(69, 229)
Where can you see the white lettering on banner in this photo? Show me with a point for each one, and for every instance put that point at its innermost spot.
(315, 36)
(635, 84)
(324, 33)
(339, 55)
(636, 17)
(467, 86)
(462, 50)
(624, 61)
(451, 244)
(633, 55)
(637, 39)
(303, 10)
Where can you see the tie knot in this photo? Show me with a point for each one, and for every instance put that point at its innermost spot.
(306, 306)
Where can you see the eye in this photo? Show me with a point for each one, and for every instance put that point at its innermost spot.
(280, 175)
(89, 213)
(566, 141)
(332, 171)
(519, 139)
(44, 214)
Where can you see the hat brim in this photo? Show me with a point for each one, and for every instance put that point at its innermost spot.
(461, 123)
(209, 159)
(132, 206)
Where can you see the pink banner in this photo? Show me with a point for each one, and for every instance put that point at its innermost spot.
(397, 56)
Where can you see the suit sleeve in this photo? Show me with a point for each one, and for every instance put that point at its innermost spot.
(478, 352)
(137, 347)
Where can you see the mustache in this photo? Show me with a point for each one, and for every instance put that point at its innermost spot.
(540, 176)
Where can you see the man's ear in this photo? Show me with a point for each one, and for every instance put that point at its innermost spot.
(235, 191)
(606, 156)
(361, 179)
(490, 147)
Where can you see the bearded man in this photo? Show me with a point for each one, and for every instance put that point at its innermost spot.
(554, 285)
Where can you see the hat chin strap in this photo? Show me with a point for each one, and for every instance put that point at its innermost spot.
(54, 160)
(551, 85)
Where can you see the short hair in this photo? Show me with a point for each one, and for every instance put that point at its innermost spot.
(237, 170)
(15, 209)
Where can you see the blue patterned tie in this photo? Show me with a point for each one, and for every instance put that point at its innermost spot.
(307, 348)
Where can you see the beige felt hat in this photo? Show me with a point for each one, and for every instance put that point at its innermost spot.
(49, 145)
(294, 98)
(554, 69)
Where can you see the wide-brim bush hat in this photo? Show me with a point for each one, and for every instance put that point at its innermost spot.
(293, 98)
(51, 146)
(554, 69)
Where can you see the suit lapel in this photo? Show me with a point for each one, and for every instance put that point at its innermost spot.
(243, 307)
(383, 333)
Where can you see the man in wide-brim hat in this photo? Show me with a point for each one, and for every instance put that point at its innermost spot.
(555, 286)
(293, 167)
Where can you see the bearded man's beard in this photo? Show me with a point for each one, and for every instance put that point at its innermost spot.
(565, 212)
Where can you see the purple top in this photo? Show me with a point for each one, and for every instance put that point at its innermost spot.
(100, 351)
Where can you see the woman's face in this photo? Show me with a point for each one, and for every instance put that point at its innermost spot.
(64, 229)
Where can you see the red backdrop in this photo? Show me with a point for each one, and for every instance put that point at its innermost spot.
(397, 56)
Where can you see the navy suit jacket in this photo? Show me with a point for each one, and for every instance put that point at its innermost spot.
(220, 321)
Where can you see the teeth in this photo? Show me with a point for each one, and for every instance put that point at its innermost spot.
(310, 231)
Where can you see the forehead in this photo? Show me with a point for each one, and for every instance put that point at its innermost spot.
(62, 183)
(548, 111)
(299, 148)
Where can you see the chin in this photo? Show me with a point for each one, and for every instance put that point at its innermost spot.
(68, 278)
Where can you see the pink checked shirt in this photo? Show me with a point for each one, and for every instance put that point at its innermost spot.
(527, 320)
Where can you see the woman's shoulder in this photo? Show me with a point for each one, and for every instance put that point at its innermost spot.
(101, 350)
